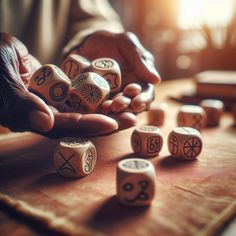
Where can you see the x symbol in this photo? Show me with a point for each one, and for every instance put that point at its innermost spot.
(66, 165)
(197, 121)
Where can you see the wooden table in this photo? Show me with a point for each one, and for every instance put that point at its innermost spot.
(192, 198)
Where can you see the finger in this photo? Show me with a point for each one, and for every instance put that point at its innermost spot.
(105, 108)
(74, 124)
(133, 52)
(120, 103)
(132, 90)
(125, 120)
(142, 101)
(32, 109)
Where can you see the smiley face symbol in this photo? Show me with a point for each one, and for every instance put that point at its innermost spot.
(136, 190)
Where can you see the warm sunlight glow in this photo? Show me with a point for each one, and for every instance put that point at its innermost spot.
(213, 13)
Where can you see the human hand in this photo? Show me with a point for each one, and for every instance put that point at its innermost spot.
(21, 110)
(137, 68)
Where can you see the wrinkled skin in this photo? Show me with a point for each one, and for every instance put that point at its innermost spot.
(21, 110)
(137, 64)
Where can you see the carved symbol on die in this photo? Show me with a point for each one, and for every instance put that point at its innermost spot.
(76, 83)
(41, 80)
(58, 92)
(137, 142)
(173, 145)
(72, 69)
(192, 147)
(135, 164)
(74, 101)
(104, 64)
(153, 144)
(66, 165)
(142, 195)
(111, 78)
(89, 160)
(197, 119)
(100, 82)
(91, 93)
(148, 128)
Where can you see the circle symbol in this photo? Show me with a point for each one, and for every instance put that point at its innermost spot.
(58, 92)
(192, 147)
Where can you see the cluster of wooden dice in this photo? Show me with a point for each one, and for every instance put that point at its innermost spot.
(136, 177)
(79, 86)
(207, 114)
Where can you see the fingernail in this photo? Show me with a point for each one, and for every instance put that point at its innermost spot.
(141, 107)
(40, 120)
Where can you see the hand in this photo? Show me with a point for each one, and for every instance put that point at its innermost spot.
(137, 67)
(21, 110)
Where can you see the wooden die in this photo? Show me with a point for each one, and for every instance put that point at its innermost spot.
(135, 182)
(147, 140)
(75, 157)
(213, 109)
(74, 65)
(156, 114)
(51, 84)
(88, 91)
(110, 70)
(184, 143)
(191, 116)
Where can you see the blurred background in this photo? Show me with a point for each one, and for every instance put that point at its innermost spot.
(185, 36)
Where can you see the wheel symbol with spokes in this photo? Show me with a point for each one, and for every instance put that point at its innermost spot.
(192, 147)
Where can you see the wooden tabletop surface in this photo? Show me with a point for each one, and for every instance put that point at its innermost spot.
(192, 198)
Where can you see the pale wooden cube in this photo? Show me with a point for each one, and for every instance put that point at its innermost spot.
(74, 65)
(185, 143)
(213, 109)
(51, 84)
(74, 157)
(135, 182)
(147, 140)
(88, 92)
(191, 116)
(156, 114)
(110, 70)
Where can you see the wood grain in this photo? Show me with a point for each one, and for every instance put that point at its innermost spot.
(190, 199)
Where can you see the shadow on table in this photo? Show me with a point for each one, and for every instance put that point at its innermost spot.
(112, 213)
(25, 162)
(168, 162)
(52, 179)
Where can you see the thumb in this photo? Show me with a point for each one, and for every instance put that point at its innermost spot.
(20, 107)
(40, 117)
(143, 61)
(30, 111)
(145, 69)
